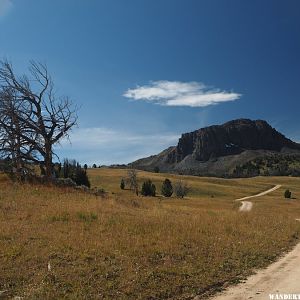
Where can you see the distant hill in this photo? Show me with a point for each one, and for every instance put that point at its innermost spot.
(239, 148)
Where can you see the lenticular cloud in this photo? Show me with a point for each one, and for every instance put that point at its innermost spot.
(176, 93)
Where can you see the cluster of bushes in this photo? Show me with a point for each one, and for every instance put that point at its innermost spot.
(95, 166)
(72, 170)
(180, 188)
(24, 174)
(249, 169)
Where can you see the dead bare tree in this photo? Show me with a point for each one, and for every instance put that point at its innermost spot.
(16, 151)
(132, 180)
(44, 118)
(181, 188)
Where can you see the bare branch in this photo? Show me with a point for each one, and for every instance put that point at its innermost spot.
(31, 117)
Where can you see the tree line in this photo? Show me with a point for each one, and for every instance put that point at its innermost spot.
(271, 165)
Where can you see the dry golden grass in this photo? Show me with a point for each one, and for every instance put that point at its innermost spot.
(128, 247)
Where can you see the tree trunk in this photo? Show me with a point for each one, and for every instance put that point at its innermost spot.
(19, 163)
(48, 160)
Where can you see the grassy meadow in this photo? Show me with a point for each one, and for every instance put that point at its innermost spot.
(65, 244)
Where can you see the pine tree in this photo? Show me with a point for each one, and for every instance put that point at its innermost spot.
(287, 194)
(148, 188)
(156, 169)
(167, 188)
(122, 184)
(73, 170)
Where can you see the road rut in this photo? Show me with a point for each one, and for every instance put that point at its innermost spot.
(247, 205)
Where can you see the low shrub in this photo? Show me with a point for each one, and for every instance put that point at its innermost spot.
(64, 182)
(87, 217)
(287, 194)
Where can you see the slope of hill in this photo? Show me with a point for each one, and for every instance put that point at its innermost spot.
(220, 150)
(65, 244)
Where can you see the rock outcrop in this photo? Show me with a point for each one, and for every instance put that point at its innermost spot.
(230, 138)
(214, 150)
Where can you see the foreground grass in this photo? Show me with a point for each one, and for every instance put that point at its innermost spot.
(58, 243)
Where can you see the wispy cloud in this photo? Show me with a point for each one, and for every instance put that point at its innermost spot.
(5, 6)
(108, 146)
(176, 93)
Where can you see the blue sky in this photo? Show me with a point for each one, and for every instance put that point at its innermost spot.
(143, 72)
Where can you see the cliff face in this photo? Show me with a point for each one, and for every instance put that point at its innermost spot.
(229, 139)
(218, 150)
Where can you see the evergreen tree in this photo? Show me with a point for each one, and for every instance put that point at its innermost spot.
(148, 188)
(73, 170)
(287, 194)
(167, 188)
(156, 169)
(81, 177)
(122, 184)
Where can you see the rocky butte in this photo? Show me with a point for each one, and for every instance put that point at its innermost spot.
(217, 150)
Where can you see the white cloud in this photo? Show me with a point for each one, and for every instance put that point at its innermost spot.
(5, 6)
(100, 136)
(175, 93)
(107, 146)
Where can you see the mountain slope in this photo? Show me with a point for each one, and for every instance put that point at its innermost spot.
(218, 150)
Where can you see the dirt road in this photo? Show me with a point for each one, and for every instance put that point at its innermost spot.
(247, 205)
(281, 277)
